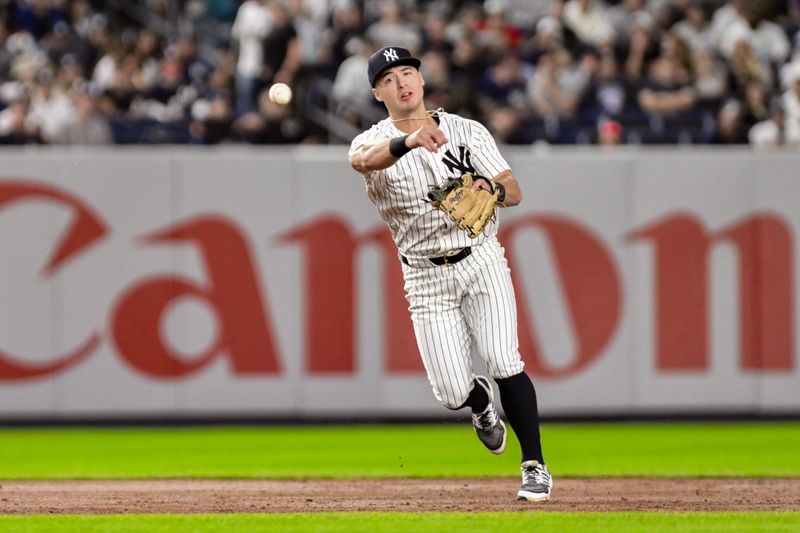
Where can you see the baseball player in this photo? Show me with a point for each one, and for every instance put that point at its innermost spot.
(436, 179)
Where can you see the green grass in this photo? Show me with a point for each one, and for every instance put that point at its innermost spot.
(448, 450)
(397, 522)
(445, 450)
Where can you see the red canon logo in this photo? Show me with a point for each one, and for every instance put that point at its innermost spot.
(590, 280)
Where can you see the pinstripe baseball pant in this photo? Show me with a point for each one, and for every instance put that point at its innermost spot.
(452, 306)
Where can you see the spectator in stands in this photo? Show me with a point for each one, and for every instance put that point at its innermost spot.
(392, 29)
(548, 35)
(589, 20)
(184, 49)
(88, 127)
(767, 40)
(715, 50)
(169, 81)
(249, 30)
(668, 99)
(15, 128)
(309, 27)
(109, 64)
(434, 32)
(221, 77)
(122, 91)
(642, 45)
(282, 53)
(621, 17)
(50, 108)
(222, 10)
(791, 69)
(792, 22)
(495, 34)
(144, 60)
(91, 46)
(58, 42)
(608, 94)
(466, 59)
(666, 90)
(710, 78)
(503, 84)
(791, 103)
(526, 14)
(26, 57)
(756, 104)
(38, 17)
(695, 29)
(730, 128)
(81, 16)
(211, 119)
(271, 124)
(508, 126)
(346, 23)
(673, 48)
(5, 54)
(435, 71)
(770, 133)
(746, 67)
(557, 85)
(609, 133)
(70, 73)
(466, 68)
(721, 18)
(162, 102)
(349, 90)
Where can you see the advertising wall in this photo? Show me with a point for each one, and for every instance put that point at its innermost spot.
(180, 282)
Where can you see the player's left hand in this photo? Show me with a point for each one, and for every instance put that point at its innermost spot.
(467, 203)
(482, 183)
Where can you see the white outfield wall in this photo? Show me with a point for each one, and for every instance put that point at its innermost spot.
(194, 282)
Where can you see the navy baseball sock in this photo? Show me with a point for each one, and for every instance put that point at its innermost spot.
(519, 402)
(477, 399)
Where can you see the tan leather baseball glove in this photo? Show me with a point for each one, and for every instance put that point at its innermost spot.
(471, 210)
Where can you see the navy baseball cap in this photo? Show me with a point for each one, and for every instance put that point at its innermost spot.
(390, 56)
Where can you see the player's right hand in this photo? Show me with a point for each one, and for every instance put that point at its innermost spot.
(428, 137)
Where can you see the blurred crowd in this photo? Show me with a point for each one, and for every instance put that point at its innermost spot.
(562, 72)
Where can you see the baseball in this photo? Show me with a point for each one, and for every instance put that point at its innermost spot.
(280, 93)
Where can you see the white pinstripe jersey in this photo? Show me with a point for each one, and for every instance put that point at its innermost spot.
(399, 191)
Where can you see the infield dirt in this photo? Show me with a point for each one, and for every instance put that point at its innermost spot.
(410, 495)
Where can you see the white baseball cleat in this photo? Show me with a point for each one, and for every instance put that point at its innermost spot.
(536, 482)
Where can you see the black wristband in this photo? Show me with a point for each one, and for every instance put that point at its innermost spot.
(397, 146)
(501, 192)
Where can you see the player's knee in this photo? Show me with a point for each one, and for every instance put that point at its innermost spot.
(453, 406)
(451, 395)
(453, 401)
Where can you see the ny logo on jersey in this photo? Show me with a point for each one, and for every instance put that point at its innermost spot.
(390, 55)
(462, 163)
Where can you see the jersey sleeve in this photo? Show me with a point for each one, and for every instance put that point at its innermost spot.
(486, 159)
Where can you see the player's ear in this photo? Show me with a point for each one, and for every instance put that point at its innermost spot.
(375, 94)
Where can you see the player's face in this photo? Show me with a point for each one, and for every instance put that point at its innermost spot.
(400, 88)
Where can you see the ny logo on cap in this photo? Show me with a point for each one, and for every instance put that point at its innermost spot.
(390, 55)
